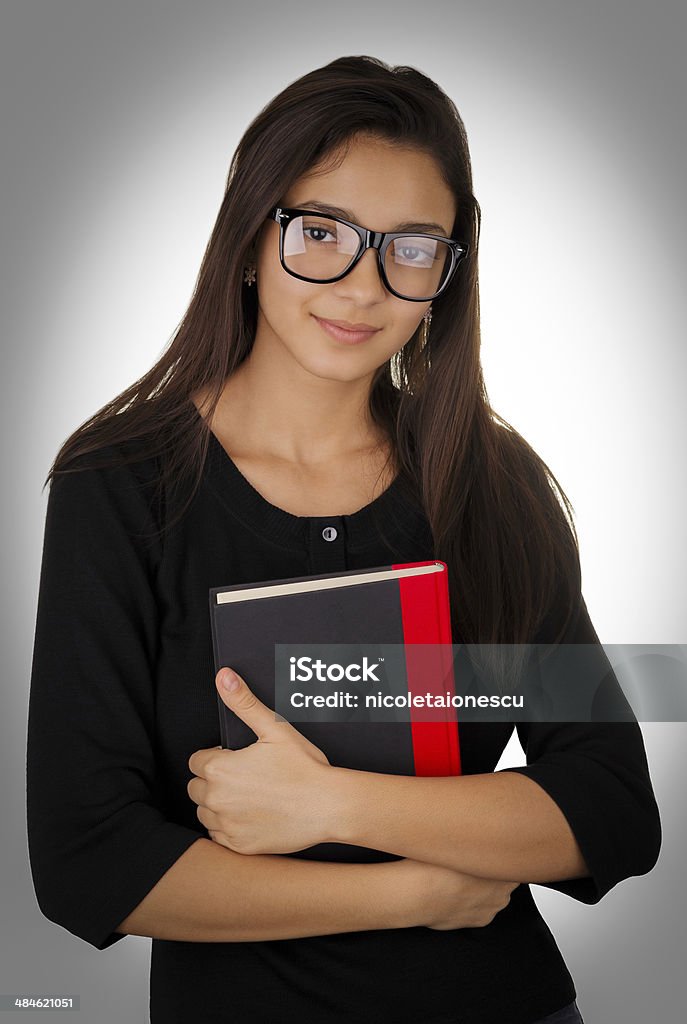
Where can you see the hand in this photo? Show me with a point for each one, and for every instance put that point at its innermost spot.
(270, 797)
(444, 898)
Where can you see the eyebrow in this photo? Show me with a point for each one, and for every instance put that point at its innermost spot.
(338, 211)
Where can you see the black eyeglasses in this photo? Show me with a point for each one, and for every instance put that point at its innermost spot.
(321, 248)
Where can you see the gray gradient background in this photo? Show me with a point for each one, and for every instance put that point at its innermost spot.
(118, 124)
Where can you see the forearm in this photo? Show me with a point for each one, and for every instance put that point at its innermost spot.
(498, 825)
(211, 894)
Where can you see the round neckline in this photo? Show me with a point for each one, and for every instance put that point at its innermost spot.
(394, 505)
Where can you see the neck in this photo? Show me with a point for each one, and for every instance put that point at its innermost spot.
(271, 403)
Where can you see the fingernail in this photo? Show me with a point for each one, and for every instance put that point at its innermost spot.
(229, 680)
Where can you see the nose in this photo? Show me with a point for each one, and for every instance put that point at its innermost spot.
(364, 282)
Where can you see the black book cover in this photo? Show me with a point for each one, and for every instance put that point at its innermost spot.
(329, 608)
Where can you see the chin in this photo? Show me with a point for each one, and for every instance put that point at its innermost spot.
(327, 368)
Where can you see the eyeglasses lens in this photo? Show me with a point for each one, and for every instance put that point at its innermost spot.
(321, 248)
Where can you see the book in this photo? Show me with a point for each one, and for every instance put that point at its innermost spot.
(406, 605)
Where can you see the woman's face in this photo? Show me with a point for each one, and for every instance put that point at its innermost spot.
(381, 187)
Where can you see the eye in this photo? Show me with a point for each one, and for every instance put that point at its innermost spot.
(318, 230)
(414, 254)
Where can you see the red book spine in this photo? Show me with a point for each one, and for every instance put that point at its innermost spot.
(426, 618)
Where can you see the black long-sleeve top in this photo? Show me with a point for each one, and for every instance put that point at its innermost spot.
(123, 692)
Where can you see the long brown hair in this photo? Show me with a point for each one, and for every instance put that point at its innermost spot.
(498, 516)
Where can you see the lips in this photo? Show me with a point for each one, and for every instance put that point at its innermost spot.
(347, 326)
(343, 330)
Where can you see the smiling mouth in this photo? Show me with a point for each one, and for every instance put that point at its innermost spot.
(347, 334)
(347, 326)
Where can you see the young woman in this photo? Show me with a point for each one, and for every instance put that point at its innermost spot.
(306, 390)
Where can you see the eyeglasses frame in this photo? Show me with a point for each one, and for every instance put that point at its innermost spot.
(379, 240)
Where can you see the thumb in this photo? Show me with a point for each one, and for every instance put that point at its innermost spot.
(239, 698)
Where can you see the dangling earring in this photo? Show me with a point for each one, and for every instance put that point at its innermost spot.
(426, 321)
(249, 274)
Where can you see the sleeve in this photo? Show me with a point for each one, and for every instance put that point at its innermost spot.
(597, 773)
(97, 838)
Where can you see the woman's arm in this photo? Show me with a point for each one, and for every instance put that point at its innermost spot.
(579, 817)
(211, 894)
(492, 825)
(281, 794)
(585, 818)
